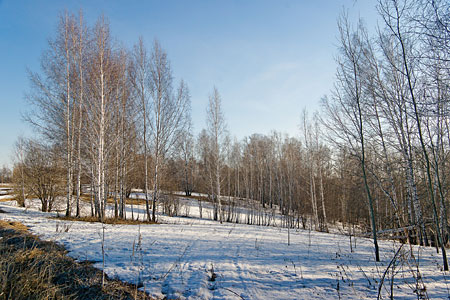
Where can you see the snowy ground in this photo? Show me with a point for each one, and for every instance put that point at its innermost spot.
(180, 258)
(5, 191)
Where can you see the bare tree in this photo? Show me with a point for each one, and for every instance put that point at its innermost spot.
(186, 149)
(217, 130)
(80, 44)
(19, 170)
(53, 95)
(347, 114)
(311, 149)
(141, 81)
(167, 113)
(5, 174)
(100, 110)
(41, 173)
(394, 14)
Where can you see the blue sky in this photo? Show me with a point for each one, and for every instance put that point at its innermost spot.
(268, 59)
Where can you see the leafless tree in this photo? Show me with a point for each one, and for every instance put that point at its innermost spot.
(217, 130)
(41, 173)
(141, 81)
(186, 150)
(395, 15)
(100, 109)
(53, 96)
(19, 170)
(347, 112)
(167, 113)
(80, 45)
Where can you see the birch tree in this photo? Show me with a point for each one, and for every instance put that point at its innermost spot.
(52, 95)
(80, 44)
(167, 113)
(216, 129)
(100, 110)
(394, 14)
(186, 149)
(347, 113)
(141, 81)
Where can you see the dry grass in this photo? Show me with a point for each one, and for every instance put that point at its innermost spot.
(106, 221)
(87, 198)
(34, 269)
(130, 201)
(8, 199)
(223, 200)
(17, 226)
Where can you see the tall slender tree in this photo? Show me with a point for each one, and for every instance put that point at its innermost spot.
(167, 113)
(216, 129)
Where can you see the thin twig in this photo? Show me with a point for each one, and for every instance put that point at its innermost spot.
(233, 293)
(387, 269)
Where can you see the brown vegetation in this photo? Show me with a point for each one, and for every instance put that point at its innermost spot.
(116, 221)
(8, 199)
(34, 269)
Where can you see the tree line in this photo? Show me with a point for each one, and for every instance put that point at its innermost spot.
(389, 108)
(376, 155)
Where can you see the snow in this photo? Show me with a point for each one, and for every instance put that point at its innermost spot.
(6, 197)
(5, 190)
(192, 258)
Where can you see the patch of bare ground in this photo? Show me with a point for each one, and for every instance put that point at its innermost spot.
(110, 200)
(116, 221)
(8, 199)
(34, 269)
(224, 200)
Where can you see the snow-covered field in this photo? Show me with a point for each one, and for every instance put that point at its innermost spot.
(192, 258)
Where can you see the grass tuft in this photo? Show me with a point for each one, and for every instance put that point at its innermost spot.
(13, 225)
